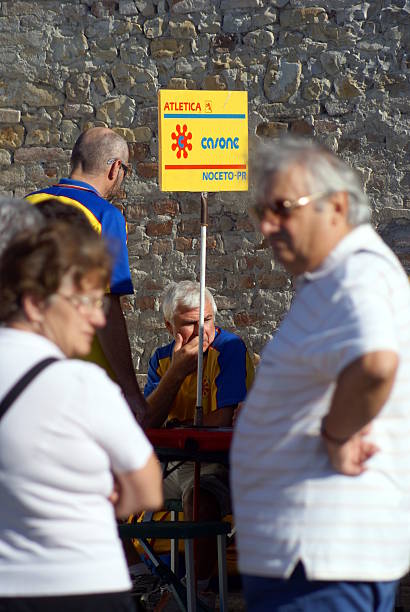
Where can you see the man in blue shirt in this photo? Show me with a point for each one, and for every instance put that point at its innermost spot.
(99, 162)
(171, 395)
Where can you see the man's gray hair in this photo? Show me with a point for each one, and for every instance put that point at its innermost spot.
(325, 172)
(15, 216)
(183, 296)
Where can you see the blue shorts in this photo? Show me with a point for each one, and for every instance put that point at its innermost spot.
(297, 594)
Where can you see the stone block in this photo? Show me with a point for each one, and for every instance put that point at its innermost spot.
(153, 27)
(69, 132)
(328, 32)
(145, 302)
(38, 137)
(13, 176)
(41, 154)
(301, 128)
(11, 137)
(77, 88)
(191, 227)
(166, 207)
(131, 79)
(316, 89)
(267, 17)
(243, 319)
(67, 49)
(215, 82)
(148, 169)
(142, 134)
(178, 83)
(227, 5)
(103, 84)
(84, 111)
(282, 81)
(9, 115)
(271, 129)
(159, 228)
(5, 158)
(290, 18)
(145, 7)
(117, 111)
(126, 133)
(225, 42)
(182, 29)
(346, 88)
(183, 244)
(138, 151)
(190, 6)
(33, 94)
(103, 8)
(236, 22)
(170, 47)
(128, 8)
(259, 39)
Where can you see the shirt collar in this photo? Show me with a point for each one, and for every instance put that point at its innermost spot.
(361, 238)
(35, 341)
(81, 184)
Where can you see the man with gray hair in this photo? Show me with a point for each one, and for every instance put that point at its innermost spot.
(171, 395)
(320, 457)
(99, 164)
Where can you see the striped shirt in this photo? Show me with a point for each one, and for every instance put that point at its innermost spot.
(289, 502)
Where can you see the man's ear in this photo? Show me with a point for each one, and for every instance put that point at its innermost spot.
(169, 327)
(114, 169)
(340, 203)
(33, 308)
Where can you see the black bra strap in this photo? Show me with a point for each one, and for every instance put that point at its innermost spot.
(21, 384)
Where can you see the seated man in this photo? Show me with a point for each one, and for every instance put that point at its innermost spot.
(171, 394)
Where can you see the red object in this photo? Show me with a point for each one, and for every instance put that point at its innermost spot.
(206, 438)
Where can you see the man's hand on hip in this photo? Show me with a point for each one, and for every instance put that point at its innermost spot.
(350, 457)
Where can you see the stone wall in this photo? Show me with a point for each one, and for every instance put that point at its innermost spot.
(334, 69)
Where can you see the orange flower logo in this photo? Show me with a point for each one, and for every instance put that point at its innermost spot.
(181, 144)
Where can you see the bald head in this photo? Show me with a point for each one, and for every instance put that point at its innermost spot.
(94, 148)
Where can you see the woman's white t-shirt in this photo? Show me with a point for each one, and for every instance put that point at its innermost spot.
(61, 442)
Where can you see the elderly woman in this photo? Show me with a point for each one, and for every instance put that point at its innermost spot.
(71, 454)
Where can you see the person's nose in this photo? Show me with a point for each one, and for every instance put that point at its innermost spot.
(270, 224)
(97, 318)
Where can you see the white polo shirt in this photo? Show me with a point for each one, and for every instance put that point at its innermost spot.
(289, 503)
(60, 443)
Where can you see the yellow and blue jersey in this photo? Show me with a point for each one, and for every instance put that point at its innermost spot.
(104, 218)
(228, 373)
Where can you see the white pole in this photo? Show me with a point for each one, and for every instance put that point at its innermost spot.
(202, 269)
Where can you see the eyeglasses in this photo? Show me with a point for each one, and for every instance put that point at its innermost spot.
(86, 302)
(126, 168)
(283, 208)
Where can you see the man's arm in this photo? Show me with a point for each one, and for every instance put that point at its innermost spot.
(116, 346)
(222, 417)
(183, 362)
(362, 389)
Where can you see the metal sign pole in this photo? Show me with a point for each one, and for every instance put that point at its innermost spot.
(204, 223)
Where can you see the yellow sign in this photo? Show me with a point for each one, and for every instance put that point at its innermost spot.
(203, 140)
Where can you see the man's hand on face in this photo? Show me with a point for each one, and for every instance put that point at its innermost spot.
(350, 458)
(185, 357)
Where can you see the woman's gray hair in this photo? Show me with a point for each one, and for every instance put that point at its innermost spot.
(183, 296)
(16, 216)
(325, 172)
